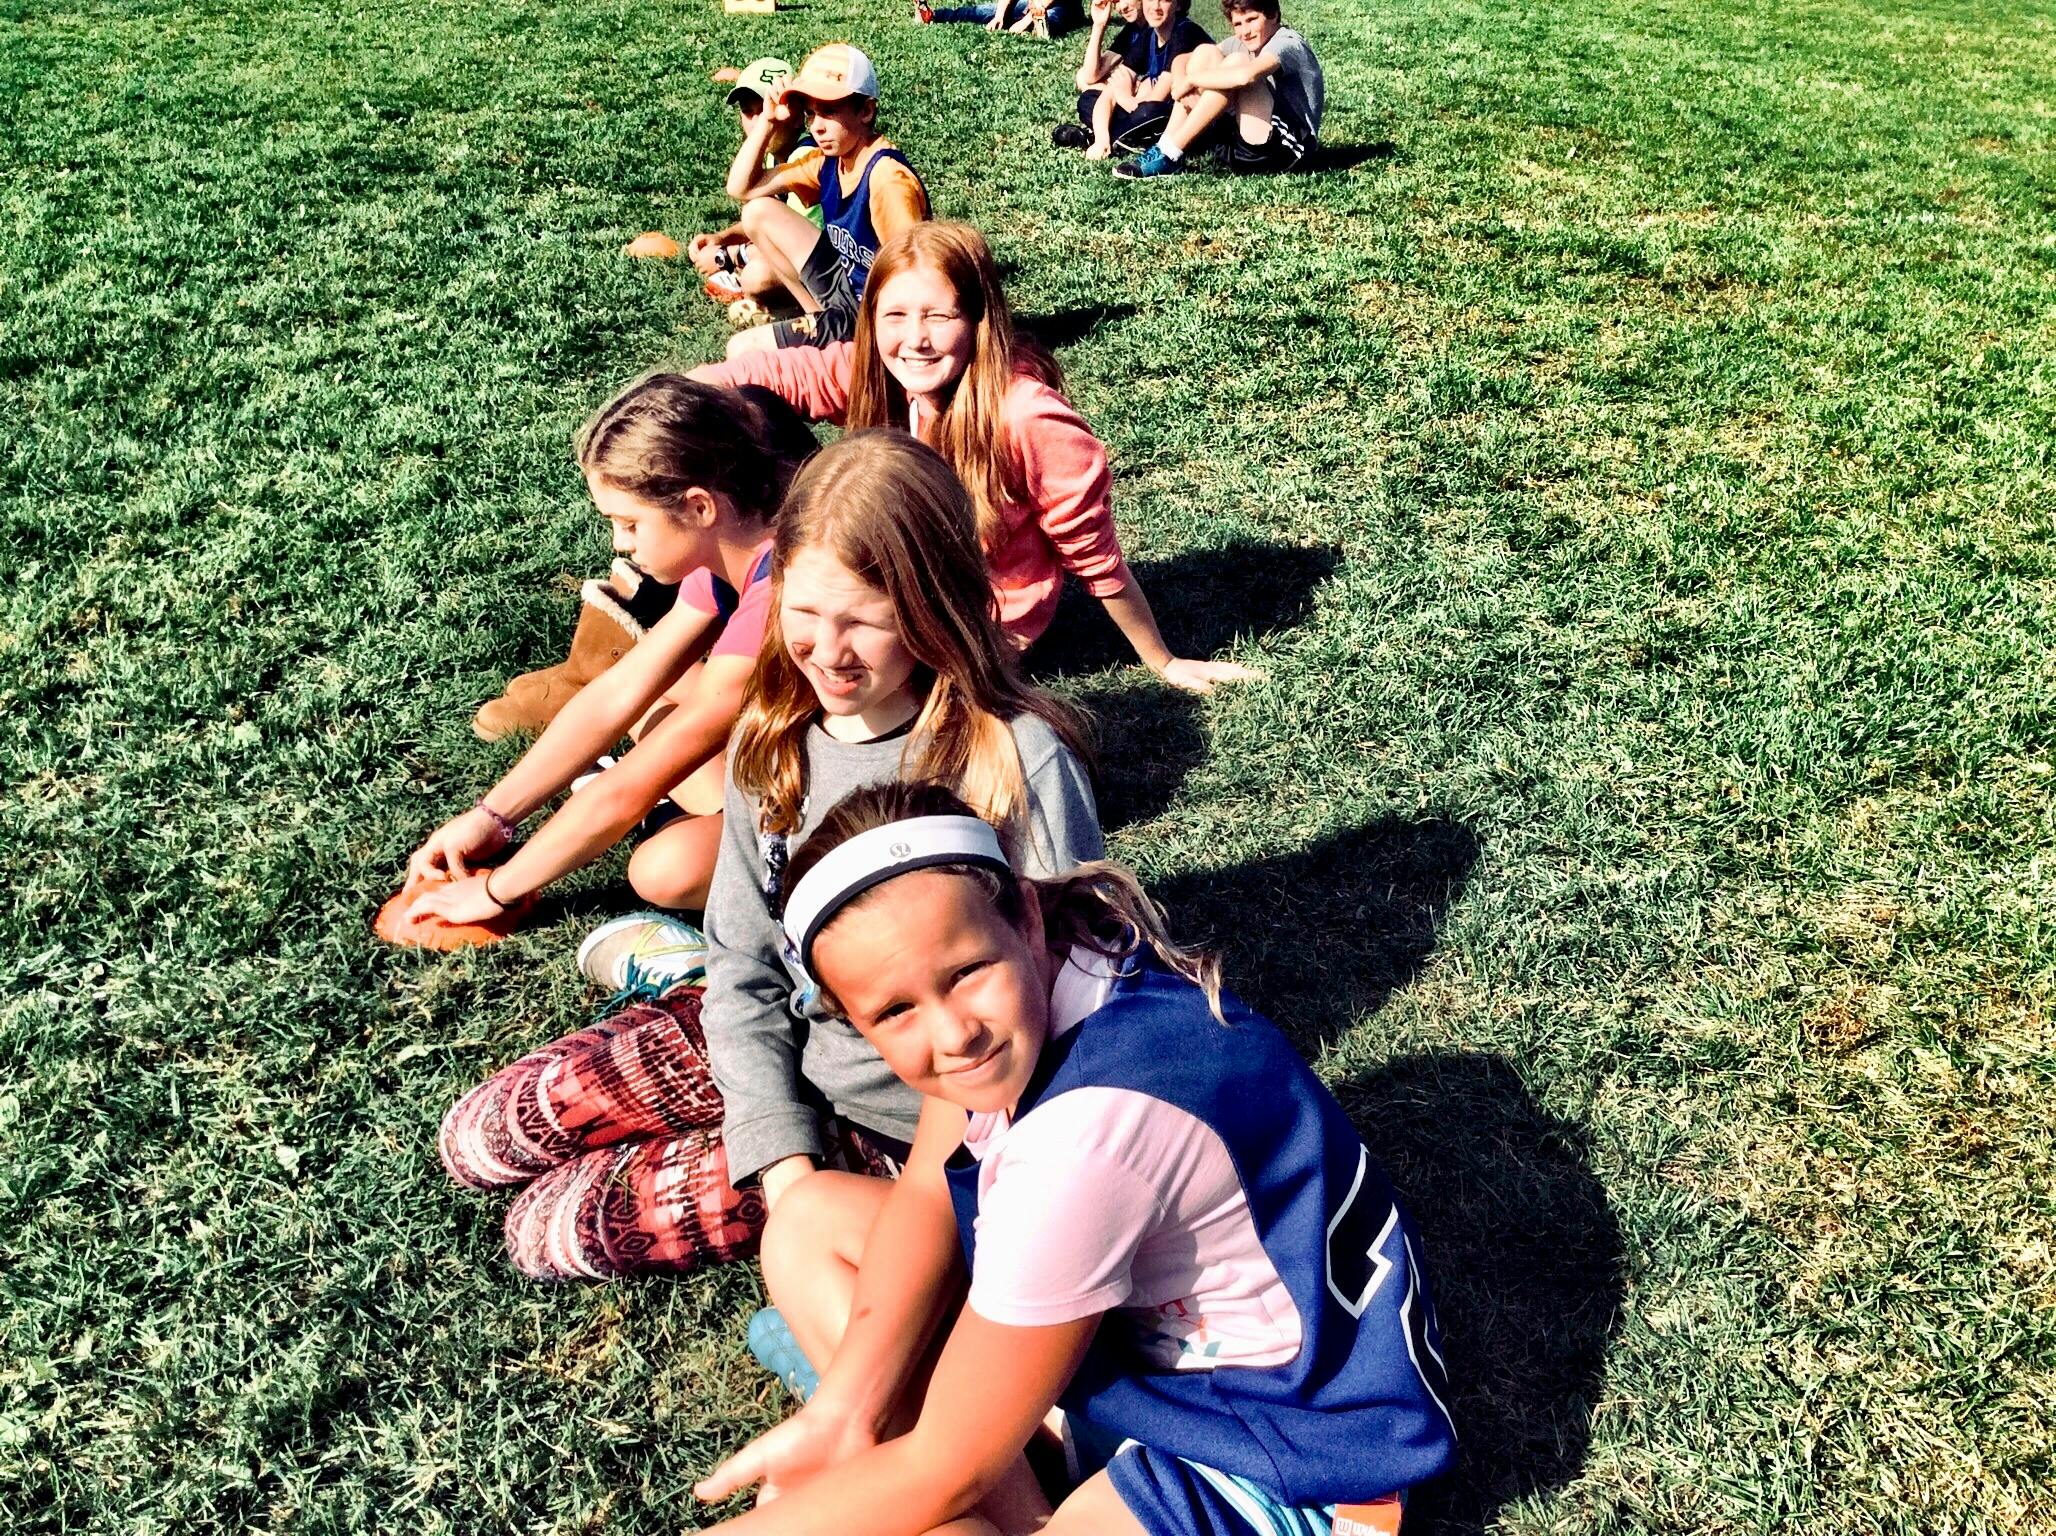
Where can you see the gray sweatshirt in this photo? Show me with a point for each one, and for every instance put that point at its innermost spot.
(765, 1028)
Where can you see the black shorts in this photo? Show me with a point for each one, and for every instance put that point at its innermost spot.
(1279, 152)
(1129, 131)
(829, 283)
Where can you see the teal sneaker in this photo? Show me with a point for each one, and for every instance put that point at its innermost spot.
(778, 1352)
(643, 956)
(1151, 162)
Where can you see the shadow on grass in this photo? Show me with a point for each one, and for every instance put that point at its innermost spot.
(1203, 599)
(1067, 327)
(1149, 738)
(1319, 937)
(1524, 1253)
(1347, 157)
(1519, 1238)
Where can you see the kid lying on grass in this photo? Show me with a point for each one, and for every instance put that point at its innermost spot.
(935, 353)
(655, 1147)
(1258, 97)
(1171, 1229)
(1126, 92)
(1037, 18)
(866, 191)
(686, 476)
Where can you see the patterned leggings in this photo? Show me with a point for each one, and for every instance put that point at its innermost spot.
(619, 1128)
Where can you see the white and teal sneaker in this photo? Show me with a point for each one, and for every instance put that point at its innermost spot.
(643, 956)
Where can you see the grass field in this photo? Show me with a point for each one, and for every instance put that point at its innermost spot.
(1634, 468)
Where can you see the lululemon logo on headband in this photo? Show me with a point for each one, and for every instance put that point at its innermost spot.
(900, 850)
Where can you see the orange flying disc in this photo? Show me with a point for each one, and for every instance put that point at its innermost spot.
(431, 932)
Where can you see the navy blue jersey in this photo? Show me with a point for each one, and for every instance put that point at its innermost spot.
(847, 220)
(1360, 1411)
(1148, 56)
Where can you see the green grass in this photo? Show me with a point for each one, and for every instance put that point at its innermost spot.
(1638, 485)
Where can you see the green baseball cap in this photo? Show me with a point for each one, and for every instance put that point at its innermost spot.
(760, 78)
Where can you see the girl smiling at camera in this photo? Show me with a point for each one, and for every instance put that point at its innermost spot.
(935, 353)
(1172, 1232)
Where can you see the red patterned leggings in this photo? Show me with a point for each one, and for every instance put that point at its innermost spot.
(619, 1128)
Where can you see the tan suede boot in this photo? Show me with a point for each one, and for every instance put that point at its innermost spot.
(608, 627)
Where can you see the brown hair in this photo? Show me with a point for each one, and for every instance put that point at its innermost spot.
(666, 434)
(1100, 906)
(892, 512)
(1268, 9)
(970, 432)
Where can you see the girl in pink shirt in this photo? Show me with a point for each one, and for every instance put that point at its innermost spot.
(688, 479)
(935, 352)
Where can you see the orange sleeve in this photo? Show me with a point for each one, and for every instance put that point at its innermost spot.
(800, 176)
(897, 200)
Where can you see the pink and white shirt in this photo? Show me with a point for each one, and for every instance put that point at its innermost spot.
(1108, 1200)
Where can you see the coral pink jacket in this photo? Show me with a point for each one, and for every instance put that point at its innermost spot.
(1068, 524)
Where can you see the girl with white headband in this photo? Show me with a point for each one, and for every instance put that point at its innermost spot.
(656, 1140)
(1171, 1229)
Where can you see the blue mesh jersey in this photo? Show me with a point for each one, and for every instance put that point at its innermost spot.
(847, 220)
(1360, 1411)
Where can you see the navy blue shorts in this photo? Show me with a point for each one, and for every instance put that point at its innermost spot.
(1175, 1497)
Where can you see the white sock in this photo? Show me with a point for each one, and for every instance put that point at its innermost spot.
(1170, 154)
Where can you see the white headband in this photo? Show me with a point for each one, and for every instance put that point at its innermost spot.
(871, 858)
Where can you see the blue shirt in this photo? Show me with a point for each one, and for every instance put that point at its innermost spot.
(1361, 1410)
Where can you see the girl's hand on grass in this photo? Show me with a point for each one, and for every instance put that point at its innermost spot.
(474, 835)
(999, 15)
(811, 1441)
(459, 901)
(1206, 676)
(1098, 149)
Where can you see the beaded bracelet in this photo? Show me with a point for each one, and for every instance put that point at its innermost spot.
(508, 829)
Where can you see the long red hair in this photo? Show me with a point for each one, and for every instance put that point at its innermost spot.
(970, 432)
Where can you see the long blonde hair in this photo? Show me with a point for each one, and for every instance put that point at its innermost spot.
(1100, 907)
(970, 432)
(893, 514)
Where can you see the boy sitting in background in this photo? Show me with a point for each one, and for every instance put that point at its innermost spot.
(866, 191)
(1259, 97)
(1127, 91)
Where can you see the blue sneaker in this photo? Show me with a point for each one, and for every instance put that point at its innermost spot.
(1151, 162)
(643, 957)
(778, 1352)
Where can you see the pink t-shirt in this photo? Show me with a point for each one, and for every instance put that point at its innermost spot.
(1067, 521)
(1108, 1200)
(742, 633)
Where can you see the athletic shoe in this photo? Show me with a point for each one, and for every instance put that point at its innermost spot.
(723, 287)
(778, 1352)
(744, 313)
(643, 956)
(924, 13)
(600, 766)
(1070, 136)
(1151, 162)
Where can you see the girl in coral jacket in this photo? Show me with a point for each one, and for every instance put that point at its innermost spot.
(935, 352)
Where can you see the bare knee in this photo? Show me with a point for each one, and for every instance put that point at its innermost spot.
(669, 872)
(799, 1238)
